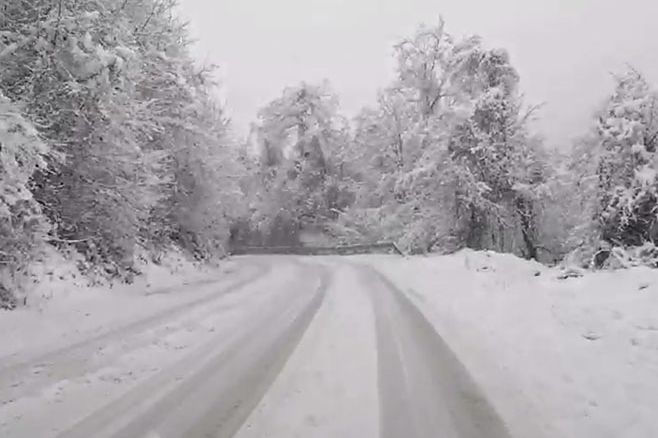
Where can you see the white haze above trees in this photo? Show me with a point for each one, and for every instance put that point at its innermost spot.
(113, 146)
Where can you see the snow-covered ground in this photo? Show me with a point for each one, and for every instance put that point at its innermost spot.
(558, 358)
(572, 358)
(63, 308)
(173, 356)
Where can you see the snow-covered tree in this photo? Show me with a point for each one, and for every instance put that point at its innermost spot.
(627, 136)
(502, 165)
(301, 138)
(447, 149)
(143, 146)
(22, 225)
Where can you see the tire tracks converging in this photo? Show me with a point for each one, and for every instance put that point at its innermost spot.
(425, 391)
(366, 363)
(211, 393)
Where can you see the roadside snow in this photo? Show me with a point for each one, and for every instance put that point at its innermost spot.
(63, 308)
(559, 358)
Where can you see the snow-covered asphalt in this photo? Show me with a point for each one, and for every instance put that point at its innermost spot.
(286, 347)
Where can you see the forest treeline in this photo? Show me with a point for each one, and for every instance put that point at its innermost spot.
(111, 137)
(447, 159)
(113, 145)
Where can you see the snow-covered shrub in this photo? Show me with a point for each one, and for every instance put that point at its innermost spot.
(23, 228)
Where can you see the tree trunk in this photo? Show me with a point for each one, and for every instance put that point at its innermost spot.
(527, 227)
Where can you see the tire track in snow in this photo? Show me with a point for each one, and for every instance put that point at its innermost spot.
(328, 387)
(27, 375)
(211, 394)
(425, 391)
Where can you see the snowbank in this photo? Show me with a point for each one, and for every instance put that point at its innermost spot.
(62, 307)
(559, 358)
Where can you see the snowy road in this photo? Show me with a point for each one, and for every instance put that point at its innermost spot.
(289, 347)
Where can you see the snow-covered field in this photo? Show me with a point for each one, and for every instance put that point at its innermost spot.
(559, 358)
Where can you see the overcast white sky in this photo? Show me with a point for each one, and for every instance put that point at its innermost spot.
(564, 50)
